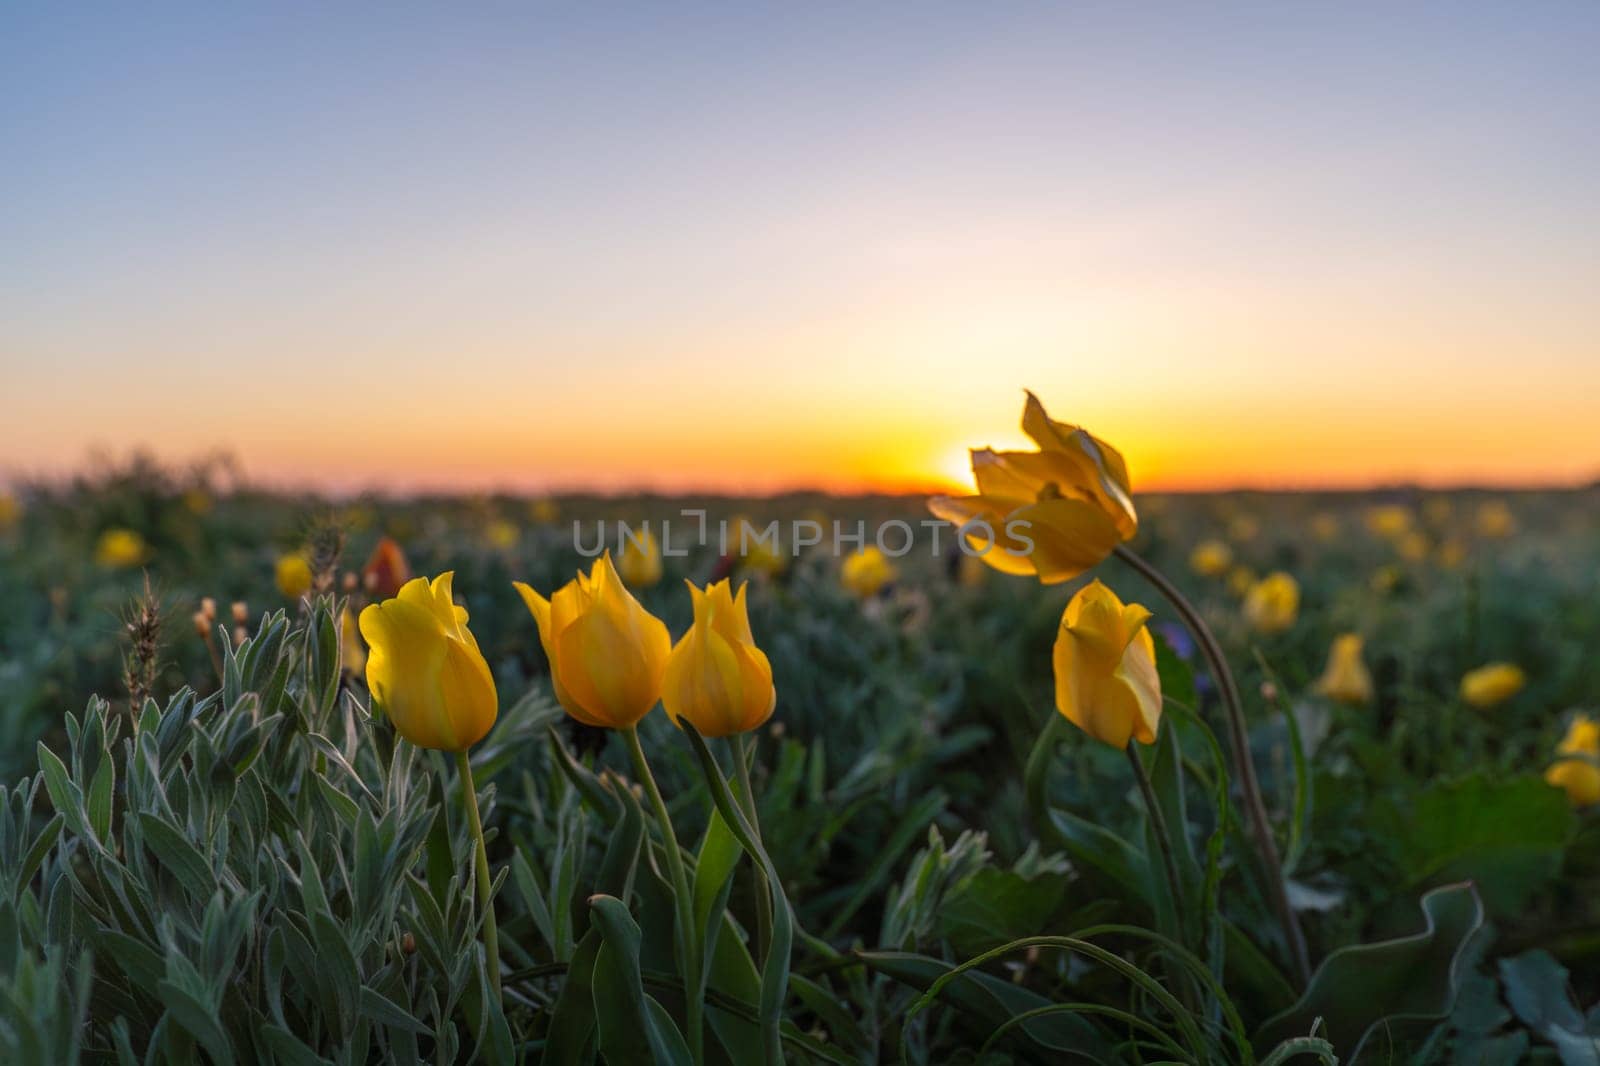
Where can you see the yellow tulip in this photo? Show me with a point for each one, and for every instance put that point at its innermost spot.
(607, 653)
(352, 653)
(1452, 553)
(1578, 778)
(1244, 528)
(1582, 737)
(639, 564)
(1495, 520)
(425, 670)
(1211, 558)
(293, 575)
(1070, 499)
(1390, 520)
(10, 510)
(1439, 510)
(1492, 684)
(1105, 666)
(502, 534)
(716, 677)
(1324, 526)
(867, 571)
(1346, 678)
(1385, 579)
(544, 510)
(197, 500)
(118, 548)
(1413, 547)
(1273, 603)
(971, 571)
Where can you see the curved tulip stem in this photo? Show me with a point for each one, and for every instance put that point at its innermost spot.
(1163, 837)
(1239, 740)
(747, 800)
(683, 902)
(491, 936)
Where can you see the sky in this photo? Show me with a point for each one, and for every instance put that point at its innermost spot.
(751, 247)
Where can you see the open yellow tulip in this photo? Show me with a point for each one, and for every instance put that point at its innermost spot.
(716, 677)
(1105, 665)
(1492, 684)
(607, 653)
(1055, 512)
(1346, 679)
(866, 572)
(424, 668)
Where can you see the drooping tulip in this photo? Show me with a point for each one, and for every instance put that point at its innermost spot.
(424, 667)
(1211, 558)
(866, 572)
(716, 677)
(1053, 513)
(293, 576)
(1273, 603)
(386, 570)
(1578, 778)
(1582, 737)
(639, 562)
(1346, 679)
(119, 548)
(607, 653)
(1105, 667)
(1493, 684)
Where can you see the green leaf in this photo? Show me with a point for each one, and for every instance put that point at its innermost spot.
(101, 790)
(1362, 990)
(1507, 837)
(385, 1011)
(630, 1030)
(173, 850)
(985, 1002)
(337, 967)
(713, 870)
(572, 1021)
(287, 1048)
(64, 795)
(996, 905)
(197, 1020)
(1537, 989)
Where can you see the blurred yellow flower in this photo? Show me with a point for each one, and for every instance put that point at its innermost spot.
(293, 575)
(425, 670)
(118, 548)
(352, 653)
(1055, 512)
(1346, 678)
(607, 653)
(971, 571)
(1273, 603)
(1385, 579)
(751, 549)
(1582, 737)
(1578, 778)
(761, 558)
(639, 564)
(1439, 510)
(716, 677)
(1492, 684)
(1211, 558)
(1452, 553)
(1390, 520)
(10, 510)
(1324, 526)
(544, 510)
(1413, 547)
(197, 501)
(867, 571)
(502, 534)
(1244, 528)
(1105, 667)
(1495, 520)
(1241, 579)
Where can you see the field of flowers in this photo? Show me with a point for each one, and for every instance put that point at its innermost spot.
(1244, 778)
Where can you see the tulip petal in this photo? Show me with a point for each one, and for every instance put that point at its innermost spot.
(1069, 537)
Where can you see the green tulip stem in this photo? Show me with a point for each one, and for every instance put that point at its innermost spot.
(1169, 861)
(747, 800)
(683, 902)
(1239, 740)
(491, 936)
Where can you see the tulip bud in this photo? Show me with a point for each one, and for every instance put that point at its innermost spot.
(208, 607)
(1105, 667)
(386, 570)
(1346, 678)
(716, 677)
(424, 668)
(202, 624)
(866, 572)
(607, 653)
(293, 575)
(240, 612)
(1273, 603)
(639, 563)
(1493, 684)
(1055, 512)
